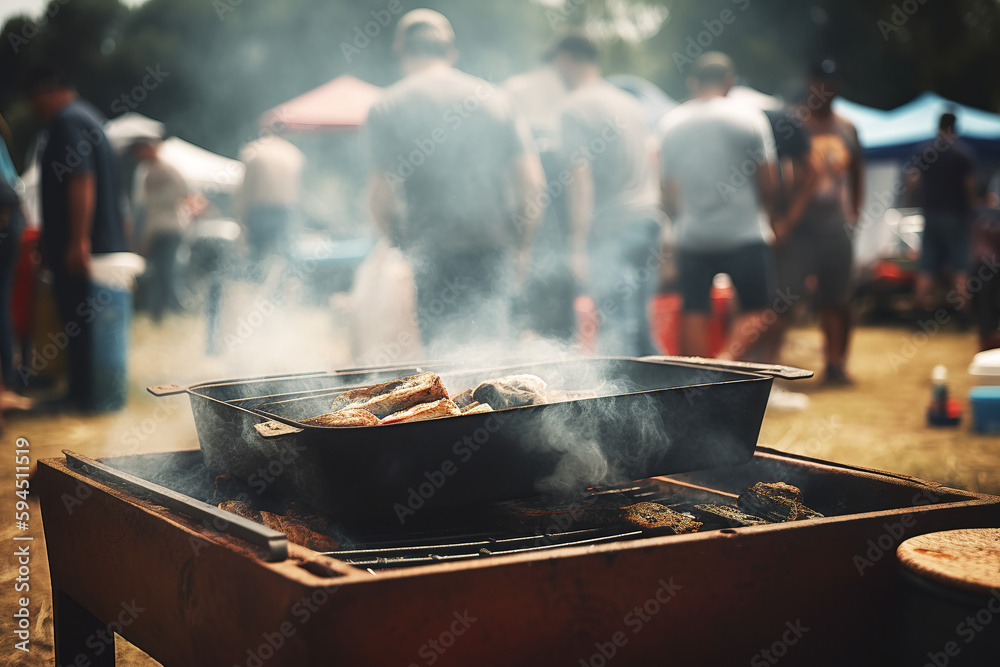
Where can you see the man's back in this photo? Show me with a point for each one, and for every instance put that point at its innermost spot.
(273, 172)
(713, 148)
(605, 126)
(164, 190)
(945, 179)
(76, 146)
(446, 141)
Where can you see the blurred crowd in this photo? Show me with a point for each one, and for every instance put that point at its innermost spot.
(551, 206)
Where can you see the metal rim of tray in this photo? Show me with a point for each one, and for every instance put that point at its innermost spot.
(277, 425)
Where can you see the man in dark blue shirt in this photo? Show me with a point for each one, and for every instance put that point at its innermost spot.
(81, 212)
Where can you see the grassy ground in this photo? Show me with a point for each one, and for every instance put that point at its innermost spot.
(878, 423)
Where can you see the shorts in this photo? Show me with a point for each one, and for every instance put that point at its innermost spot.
(750, 267)
(828, 256)
(944, 244)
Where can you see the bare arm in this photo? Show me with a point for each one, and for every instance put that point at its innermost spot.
(767, 180)
(385, 207)
(81, 195)
(670, 197)
(803, 183)
(857, 181)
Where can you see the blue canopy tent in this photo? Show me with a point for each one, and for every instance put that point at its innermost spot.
(897, 134)
(887, 234)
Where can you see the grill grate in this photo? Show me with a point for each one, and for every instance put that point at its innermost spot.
(426, 547)
(463, 549)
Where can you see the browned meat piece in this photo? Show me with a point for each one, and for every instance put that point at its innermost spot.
(312, 520)
(299, 533)
(389, 398)
(424, 411)
(343, 418)
(463, 399)
(778, 490)
(725, 516)
(775, 501)
(512, 391)
(243, 509)
(477, 408)
(656, 517)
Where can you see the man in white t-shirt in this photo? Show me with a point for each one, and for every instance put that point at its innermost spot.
(162, 195)
(717, 176)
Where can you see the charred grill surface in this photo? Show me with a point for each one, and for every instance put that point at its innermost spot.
(539, 515)
(599, 510)
(642, 509)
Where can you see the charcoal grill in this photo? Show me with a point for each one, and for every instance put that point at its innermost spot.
(430, 592)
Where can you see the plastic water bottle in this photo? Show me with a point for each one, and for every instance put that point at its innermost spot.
(943, 410)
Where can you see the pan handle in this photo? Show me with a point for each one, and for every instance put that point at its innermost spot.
(275, 429)
(166, 390)
(774, 370)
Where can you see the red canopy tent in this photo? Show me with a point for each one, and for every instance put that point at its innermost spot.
(341, 104)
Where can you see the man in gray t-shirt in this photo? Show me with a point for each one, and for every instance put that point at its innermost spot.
(455, 183)
(717, 168)
(611, 198)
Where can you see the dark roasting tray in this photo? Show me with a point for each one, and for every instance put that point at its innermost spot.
(652, 416)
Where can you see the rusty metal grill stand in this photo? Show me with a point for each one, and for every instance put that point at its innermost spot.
(209, 599)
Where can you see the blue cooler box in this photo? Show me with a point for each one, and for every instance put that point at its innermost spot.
(111, 300)
(109, 352)
(985, 409)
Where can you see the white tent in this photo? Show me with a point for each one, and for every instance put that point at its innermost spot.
(203, 170)
(130, 127)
